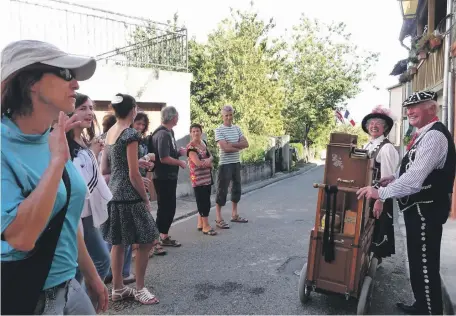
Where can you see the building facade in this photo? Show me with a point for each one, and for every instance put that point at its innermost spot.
(140, 57)
(431, 60)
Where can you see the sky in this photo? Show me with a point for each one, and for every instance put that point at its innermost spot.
(375, 25)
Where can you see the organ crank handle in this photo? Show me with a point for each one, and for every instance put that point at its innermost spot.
(341, 189)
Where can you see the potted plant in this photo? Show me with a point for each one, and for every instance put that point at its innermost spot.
(413, 59)
(405, 77)
(412, 68)
(435, 41)
(422, 54)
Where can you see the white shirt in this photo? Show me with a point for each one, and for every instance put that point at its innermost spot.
(100, 195)
(388, 157)
(430, 154)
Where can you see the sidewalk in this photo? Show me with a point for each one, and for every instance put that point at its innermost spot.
(186, 206)
(447, 263)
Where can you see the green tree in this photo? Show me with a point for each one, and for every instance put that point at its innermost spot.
(363, 137)
(323, 70)
(238, 66)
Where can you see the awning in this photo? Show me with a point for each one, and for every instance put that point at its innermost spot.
(399, 68)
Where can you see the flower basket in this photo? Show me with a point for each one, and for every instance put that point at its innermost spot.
(405, 77)
(434, 43)
(422, 54)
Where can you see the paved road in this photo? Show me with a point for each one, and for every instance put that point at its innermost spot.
(249, 269)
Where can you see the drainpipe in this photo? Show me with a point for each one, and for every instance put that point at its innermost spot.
(446, 66)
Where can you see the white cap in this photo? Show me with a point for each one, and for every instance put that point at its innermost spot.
(20, 54)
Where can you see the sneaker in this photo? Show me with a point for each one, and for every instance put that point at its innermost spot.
(168, 242)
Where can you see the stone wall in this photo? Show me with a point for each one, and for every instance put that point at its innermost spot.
(249, 173)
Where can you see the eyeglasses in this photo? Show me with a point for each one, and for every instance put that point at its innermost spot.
(65, 74)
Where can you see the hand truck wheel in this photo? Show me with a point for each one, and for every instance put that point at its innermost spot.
(303, 289)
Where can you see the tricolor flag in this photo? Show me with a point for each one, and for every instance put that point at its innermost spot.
(348, 117)
(339, 116)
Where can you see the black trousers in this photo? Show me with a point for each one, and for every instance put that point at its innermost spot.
(166, 202)
(225, 174)
(424, 235)
(203, 199)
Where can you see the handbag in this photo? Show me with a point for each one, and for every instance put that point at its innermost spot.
(23, 280)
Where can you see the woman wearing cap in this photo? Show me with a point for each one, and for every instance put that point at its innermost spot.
(41, 244)
(378, 124)
(130, 221)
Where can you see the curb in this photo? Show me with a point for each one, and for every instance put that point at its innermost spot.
(448, 304)
(262, 184)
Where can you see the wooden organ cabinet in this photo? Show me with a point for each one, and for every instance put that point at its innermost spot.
(339, 257)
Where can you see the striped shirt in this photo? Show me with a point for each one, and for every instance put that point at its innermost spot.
(230, 134)
(431, 153)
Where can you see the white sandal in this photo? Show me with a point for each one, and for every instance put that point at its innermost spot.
(123, 293)
(145, 297)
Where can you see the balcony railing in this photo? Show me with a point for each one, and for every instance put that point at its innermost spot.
(112, 37)
(430, 71)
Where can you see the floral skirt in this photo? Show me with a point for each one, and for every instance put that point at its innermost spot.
(129, 223)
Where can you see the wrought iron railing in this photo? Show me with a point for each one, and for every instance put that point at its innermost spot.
(112, 37)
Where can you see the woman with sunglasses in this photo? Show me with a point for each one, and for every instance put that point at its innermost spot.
(42, 192)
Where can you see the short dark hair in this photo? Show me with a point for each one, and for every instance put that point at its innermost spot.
(124, 108)
(196, 125)
(108, 121)
(15, 90)
(141, 116)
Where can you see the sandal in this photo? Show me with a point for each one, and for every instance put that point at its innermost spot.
(210, 232)
(123, 293)
(145, 297)
(168, 242)
(238, 219)
(199, 228)
(222, 224)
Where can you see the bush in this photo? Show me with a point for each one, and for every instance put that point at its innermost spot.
(258, 146)
(299, 150)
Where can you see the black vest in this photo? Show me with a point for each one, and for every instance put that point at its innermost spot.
(437, 187)
(373, 155)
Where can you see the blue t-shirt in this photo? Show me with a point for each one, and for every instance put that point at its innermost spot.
(24, 159)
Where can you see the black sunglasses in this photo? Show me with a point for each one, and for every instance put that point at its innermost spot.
(65, 74)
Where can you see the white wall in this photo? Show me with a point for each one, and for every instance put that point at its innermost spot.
(146, 85)
(396, 98)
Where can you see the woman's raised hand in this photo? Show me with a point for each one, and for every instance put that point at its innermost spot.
(58, 145)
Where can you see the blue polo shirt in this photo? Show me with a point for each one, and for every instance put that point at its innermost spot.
(25, 157)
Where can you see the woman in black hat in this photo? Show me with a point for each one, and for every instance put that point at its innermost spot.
(378, 124)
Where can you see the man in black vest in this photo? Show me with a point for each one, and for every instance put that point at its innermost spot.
(422, 185)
